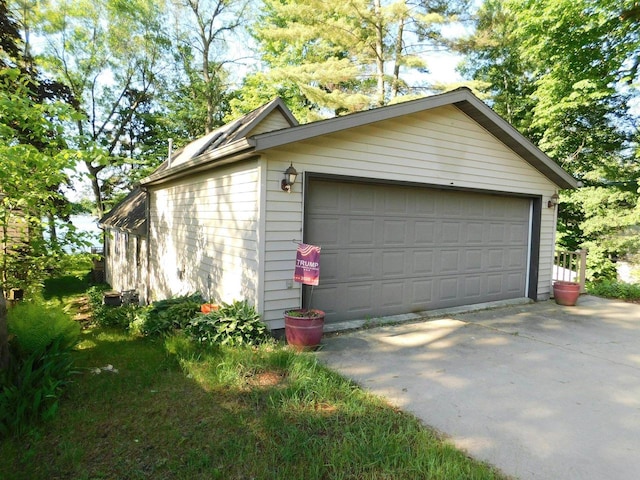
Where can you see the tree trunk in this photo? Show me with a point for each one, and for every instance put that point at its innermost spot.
(95, 186)
(4, 333)
(53, 234)
(379, 52)
(395, 86)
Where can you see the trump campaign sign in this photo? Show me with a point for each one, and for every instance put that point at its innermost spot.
(307, 264)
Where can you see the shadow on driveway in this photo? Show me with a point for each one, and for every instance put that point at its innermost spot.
(541, 391)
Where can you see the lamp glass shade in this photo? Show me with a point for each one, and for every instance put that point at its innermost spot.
(290, 175)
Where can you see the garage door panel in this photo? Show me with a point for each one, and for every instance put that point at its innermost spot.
(324, 231)
(518, 233)
(392, 294)
(473, 287)
(495, 259)
(394, 232)
(424, 232)
(424, 203)
(452, 206)
(494, 284)
(422, 262)
(472, 261)
(327, 298)
(389, 249)
(395, 203)
(328, 199)
(361, 232)
(362, 201)
(450, 233)
(394, 263)
(449, 262)
(513, 257)
(474, 233)
(360, 265)
(422, 292)
(449, 289)
(358, 298)
(329, 267)
(497, 232)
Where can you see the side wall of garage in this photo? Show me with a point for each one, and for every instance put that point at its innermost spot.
(204, 235)
(440, 147)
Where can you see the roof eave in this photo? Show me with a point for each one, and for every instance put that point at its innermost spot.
(140, 231)
(268, 140)
(507, 134)
(242, 148)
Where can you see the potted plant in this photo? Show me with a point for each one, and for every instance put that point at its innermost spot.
(303, 328)
(566, 293)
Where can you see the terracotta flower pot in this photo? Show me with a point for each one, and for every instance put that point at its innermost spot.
(303, 328)
(209, 307)
(566, 293)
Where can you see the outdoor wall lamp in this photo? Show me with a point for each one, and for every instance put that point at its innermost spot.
(289, 179)
(553, 201)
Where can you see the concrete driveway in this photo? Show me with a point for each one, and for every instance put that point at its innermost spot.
(540, 391)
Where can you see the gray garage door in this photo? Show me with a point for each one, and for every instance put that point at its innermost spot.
(390, 249)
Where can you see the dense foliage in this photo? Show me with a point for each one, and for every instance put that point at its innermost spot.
(564, 73)
(43, 336)
(237, 323)
(614, 289)
(165, 316)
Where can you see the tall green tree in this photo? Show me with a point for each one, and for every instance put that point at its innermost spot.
(33, 164)
(110, 54)
(564, 72)
(346, 56)
(198, 101)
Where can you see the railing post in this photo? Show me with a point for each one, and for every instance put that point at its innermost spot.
(583, 270)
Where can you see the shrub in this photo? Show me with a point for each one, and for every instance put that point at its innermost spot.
(615, 289)
(119, 317)
(165, 316)
(233, 324)
(41, 365)
(36, 326)
(30, 388)
(110, 316)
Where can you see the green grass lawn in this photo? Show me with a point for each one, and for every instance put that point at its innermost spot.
(266, 413)
(165, 409)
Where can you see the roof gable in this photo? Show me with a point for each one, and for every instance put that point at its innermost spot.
(237, 130)
(128, 215)
(461, 98)
(233, 141)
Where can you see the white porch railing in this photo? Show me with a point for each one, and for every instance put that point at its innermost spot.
(571, 267)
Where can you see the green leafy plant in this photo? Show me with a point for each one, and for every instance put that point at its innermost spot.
(165, 316)
(35, 326)
(304, 313)
(614, 289)
(43, 337)
(237, 323)
(110, 316)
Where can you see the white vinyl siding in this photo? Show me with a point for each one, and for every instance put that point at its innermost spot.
(125, 261)
(274, 121)
(206, 226)
(438, 147)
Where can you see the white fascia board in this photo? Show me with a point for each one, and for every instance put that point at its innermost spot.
(237, 150)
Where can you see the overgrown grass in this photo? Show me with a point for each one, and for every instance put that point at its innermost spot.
(69, 288)
(614, 289)
(73, 282)
(177, 410)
